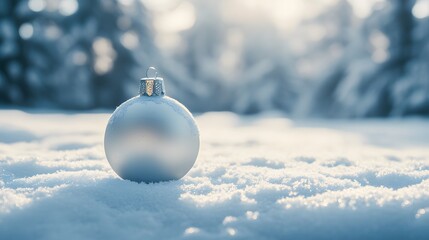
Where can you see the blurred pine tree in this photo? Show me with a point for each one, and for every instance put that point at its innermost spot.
(382, 70)
(72, 54)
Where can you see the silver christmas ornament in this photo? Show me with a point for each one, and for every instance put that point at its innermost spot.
(151, 137)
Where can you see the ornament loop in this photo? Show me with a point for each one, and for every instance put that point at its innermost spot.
(153, 70)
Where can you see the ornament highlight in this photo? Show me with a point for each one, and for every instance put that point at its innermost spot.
(151, 137)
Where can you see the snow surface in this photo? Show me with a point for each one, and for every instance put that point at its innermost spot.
(263, 177)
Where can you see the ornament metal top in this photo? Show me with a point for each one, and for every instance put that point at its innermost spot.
(151, 137)
(152, 86)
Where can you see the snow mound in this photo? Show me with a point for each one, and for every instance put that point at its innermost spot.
(263, 177)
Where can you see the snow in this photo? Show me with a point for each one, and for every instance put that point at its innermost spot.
(260, 177)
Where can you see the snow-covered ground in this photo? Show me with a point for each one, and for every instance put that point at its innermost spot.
(262, 177)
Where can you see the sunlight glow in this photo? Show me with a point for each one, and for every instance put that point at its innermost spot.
(363, 9)
(26, 31)
(179, 19)
(130, 40)
(421, 9)
(37, 5)
(231, 231)
(421, 212)
(286, 14)
(191, 230)
(126, 2)
(160, 5)
(68, 7)
(172, 17)
(105, 55)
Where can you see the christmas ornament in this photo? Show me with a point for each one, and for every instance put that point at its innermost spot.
(151, 137)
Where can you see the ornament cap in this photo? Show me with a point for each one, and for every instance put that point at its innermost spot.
(152, 86)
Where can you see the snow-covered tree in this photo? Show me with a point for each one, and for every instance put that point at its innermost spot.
(410, 93)
(382, 71)
(72, 54)
(324, 61)
(390, 33)
(85, 54)
(239, 63)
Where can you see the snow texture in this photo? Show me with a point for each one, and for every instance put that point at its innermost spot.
(262, 177)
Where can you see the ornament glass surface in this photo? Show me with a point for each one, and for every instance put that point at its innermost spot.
(151, 138)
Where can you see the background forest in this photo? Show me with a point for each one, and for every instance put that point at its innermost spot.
(330, 58)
